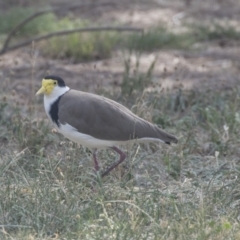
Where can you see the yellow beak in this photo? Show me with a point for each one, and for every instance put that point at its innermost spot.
(41, 90)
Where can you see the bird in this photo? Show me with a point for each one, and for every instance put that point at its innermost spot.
(96, 122)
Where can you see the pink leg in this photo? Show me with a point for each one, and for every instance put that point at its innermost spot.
(96, 165)
(122, 158)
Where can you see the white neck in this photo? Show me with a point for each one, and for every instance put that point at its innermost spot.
(51, 98)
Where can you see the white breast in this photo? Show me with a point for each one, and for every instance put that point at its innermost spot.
(51, 98)
(88, 141)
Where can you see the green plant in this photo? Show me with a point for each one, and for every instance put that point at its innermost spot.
(30, 134)
(134, 80)
(80, 46)
(215, 31)
(9, 19)
(159, 38)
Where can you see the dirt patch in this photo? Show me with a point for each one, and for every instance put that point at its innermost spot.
(212, 65)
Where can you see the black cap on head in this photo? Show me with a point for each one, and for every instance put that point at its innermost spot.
(60, 81)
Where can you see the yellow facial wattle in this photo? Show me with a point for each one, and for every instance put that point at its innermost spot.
(47, 86)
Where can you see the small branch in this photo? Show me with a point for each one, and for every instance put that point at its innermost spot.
(14, 226)
(37, 14)
(67, 32)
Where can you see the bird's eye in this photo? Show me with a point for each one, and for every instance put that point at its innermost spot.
(55, 83)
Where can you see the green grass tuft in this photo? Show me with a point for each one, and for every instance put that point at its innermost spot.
(134, 80)
(77, 47)
(160, 38)
(215, 32)
(9, 19)
(80, 47)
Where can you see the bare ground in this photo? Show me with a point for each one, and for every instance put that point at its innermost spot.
(212, 65)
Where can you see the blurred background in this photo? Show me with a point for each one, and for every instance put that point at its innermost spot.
(193, 42)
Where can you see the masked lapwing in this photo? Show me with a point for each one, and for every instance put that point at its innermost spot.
(95, 121)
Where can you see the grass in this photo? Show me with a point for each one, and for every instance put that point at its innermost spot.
(80, 47)
(160, 38)
(188, 191)
(99, 45)
(215, 32)
(77, 47)
(9, 19)
(48, 189)
(134, 80)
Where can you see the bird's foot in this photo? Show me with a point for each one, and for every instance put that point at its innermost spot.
(122, 158)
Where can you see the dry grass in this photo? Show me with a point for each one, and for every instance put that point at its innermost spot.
(187, 191)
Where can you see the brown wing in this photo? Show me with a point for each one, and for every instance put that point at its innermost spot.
(105, 119)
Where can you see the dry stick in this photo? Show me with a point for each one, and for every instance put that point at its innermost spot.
(65, 32)
(37, 14)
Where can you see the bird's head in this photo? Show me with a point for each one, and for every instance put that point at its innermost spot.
(51, 84)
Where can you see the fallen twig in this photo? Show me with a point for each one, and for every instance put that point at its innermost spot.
(42, 12)
(66, 32)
